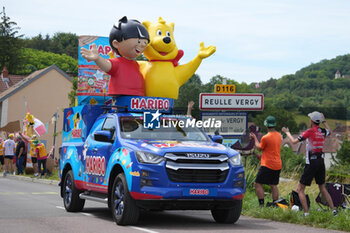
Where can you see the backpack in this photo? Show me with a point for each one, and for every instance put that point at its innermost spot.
(294, 199)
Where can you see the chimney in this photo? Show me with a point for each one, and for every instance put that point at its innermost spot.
(4, 75)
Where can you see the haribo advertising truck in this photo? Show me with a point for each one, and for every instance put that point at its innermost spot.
(136, 155)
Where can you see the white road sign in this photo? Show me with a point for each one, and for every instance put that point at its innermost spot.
(232, 123)
(240, 102)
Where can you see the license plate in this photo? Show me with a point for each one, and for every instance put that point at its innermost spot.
(202, 192)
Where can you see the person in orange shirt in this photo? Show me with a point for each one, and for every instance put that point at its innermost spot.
(271, 163)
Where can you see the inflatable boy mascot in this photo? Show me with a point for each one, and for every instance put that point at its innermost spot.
(128, 38)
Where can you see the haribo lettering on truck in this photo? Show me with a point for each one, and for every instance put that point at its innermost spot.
(95, 165)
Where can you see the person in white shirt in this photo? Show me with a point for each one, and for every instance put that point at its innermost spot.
(9, 151)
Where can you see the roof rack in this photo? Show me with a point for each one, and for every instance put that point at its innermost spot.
(116, 108)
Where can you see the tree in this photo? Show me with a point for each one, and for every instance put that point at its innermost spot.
(283, 118)
(344, 151)
(37, 59)
(65, 43)
(10, 44)
(38, 42)
(73, 93)
(187, 92)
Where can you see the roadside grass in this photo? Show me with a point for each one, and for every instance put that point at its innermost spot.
(51, 176)
(318, 217)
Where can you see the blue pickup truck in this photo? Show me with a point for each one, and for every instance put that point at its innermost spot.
(109, 155)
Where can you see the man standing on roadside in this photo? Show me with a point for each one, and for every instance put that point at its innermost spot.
(9, 150)
(314, 167)
(32, 152)
(20, 154)
(271, 163)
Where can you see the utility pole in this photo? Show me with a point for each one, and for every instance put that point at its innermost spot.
(54, 119)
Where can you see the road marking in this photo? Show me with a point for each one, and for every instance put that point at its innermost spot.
(142, 229)
(87, 214)
(44, 193)
(136, 228)
(24, 193)
(12, 193)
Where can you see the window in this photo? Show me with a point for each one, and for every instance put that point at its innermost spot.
(109, 125)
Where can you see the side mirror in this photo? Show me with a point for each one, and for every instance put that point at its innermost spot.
(103, 136)
(217, 138)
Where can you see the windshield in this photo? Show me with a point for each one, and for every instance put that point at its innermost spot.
(132, 128)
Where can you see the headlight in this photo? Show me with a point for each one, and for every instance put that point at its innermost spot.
(146, 157)
(235, 160)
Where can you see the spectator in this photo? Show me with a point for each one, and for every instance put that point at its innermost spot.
(20, 154)
(42, 156)
(190, 108)
(1, 154)
(314, 167)
(271, 163)
(32, 152)
(9, 151)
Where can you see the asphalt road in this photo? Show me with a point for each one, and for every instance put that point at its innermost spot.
(37, 207)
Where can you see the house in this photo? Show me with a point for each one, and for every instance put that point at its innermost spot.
(339, 75)
(42, 93)
(7, 80)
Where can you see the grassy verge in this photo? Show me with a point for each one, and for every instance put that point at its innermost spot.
(52, 176)
(317, 218)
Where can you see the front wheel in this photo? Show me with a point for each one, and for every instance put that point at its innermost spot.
(71, 199)
(228, 215)
(123, 206)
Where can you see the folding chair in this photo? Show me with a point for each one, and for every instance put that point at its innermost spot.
(339, 193)
(346, 195)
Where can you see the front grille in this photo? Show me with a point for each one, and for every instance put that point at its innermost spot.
(197, 176)
(196, 168)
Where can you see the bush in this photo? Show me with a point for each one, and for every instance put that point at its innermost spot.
(292, 164)
(339, 171)
(343, 154)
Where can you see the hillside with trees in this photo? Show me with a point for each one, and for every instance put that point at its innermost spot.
(311, 88)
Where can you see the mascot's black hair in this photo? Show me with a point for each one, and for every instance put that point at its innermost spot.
(125, 29)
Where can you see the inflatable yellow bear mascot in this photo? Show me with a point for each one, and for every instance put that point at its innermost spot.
(163, 77)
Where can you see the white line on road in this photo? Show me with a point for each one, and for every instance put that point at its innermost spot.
(44, 193)
(136, 228)
(87, 214)
(143, 229)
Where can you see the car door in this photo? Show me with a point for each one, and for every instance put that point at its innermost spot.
(99, 152)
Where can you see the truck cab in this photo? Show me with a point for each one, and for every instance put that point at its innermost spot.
(112, 156)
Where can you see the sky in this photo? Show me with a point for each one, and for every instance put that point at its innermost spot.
(255, 39)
